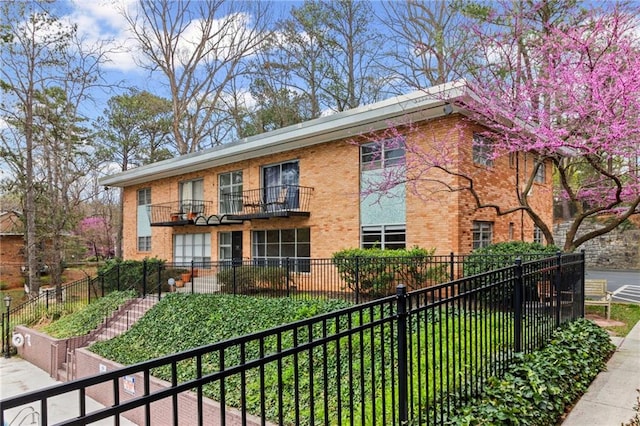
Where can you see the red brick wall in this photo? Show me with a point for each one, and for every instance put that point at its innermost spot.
(443, 222)
(11, 260)
(89, 364)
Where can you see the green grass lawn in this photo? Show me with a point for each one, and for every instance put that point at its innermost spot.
(626, 313)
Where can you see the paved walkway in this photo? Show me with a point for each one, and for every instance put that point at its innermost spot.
(610, 399)
(18, 376)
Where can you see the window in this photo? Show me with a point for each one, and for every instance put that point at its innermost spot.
(538, 236)
(230, 192)
(482, 234)
(271, 246)
(281, 181)
(144, 197)
(511, 231)
(191, 196)
(144, 243)
(383, 154)
(143, 225)
(191, 247)
(224, 246)
(389, 237)
(540, 173)
(482, 150)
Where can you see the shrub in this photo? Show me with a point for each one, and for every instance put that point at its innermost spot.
(500, 255)
(249, 279)
(375, 271)
(88, 318)
(538, 387)
(118, 274)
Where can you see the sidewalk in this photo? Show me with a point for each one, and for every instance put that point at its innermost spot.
(18, 376)
(612, 395)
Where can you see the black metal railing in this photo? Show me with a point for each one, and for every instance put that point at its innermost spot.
(272, 201)
(407, 358)
(279, 200)
(355, 279)
(179, 212)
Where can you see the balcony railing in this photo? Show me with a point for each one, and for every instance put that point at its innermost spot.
(262, 203)
(177, 213)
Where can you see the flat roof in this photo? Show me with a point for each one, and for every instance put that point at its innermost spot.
(416, 106)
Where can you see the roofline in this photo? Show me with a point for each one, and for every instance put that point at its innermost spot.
(414, 106)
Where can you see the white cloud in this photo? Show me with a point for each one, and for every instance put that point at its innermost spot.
(102, 21)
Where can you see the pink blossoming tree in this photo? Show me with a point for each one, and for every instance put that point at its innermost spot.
(568, 95)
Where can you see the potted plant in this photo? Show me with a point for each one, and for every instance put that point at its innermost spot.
(179, 283)
(186, 277)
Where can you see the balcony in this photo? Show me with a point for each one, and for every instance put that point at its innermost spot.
(234, 208)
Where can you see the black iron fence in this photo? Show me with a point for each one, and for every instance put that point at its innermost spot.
(355, 279)
(411, 357)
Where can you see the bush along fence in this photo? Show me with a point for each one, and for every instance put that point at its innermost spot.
(410, 358)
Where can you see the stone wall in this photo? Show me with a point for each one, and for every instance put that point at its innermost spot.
(618, 249)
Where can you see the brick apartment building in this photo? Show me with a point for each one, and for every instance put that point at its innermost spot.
(11, 248)
(296, 192)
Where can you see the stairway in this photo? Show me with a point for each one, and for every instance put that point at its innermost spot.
(118, 323)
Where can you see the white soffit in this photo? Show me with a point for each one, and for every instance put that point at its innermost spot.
(413, 107)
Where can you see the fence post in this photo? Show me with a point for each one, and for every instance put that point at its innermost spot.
(517, 309)
(160, 269)
(3, 335)
(118, 276)
(193, 282)
(583, 266)
(144, 278)
(233, 266)
(401, 313)
(557, 282)
(357, 283)
(451, 268)
(287, 271)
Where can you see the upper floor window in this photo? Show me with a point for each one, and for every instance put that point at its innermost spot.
(482, 150)
(280, 182)
(540, 175)
(230, 192)
(144, 197)
(191, 195)
(383, 154)
(482, 234)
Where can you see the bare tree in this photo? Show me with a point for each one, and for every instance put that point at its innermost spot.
(39, 53)
(198, 48)
(429, 43)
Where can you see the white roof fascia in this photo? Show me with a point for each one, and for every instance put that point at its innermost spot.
(418, 105)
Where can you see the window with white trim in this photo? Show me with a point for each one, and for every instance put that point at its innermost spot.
(191, 247)
(225, 248)
(388, 237)
(482, 234)
(540, 173)
(192, 195)
(143, 225)
(482, 150)
(271, 246)
(230, 192)
(538, 235)
(383, 154)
